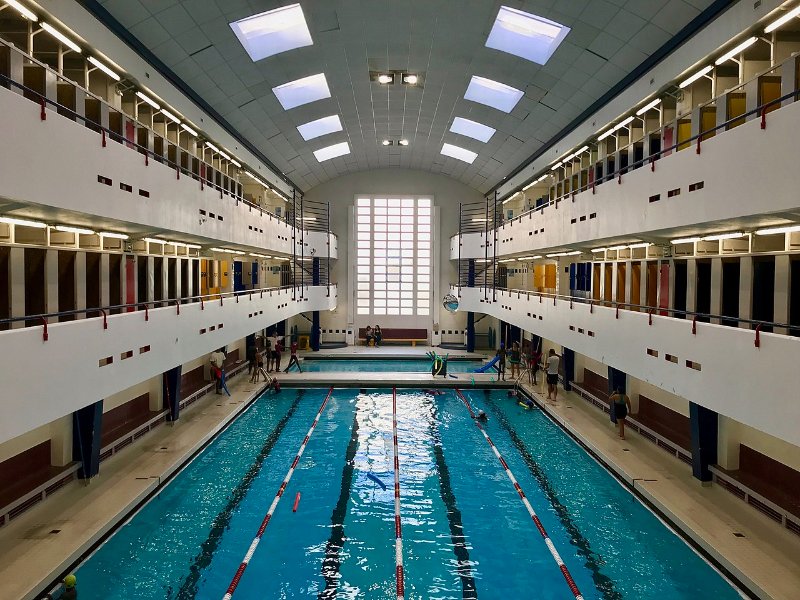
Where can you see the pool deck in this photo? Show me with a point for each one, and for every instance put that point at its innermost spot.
(39, 545)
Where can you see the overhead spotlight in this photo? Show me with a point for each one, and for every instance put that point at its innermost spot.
(385, 78)
(387, 142)
(410, 79)
(403, 142)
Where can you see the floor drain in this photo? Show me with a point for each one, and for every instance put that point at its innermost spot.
(164, 448)
(626, 449)
(737, 534)
(55, 531)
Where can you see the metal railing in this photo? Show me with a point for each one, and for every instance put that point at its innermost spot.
(44, 319)
(756, 325)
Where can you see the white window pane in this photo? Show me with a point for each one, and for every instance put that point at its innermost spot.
(407, 202)
(380, 219)
(424, 202)
(407, 212)
(380, 201)
(363, 294)
(362, 285)
(379, 294)
(393, 286)
(392, 311)
(424, 227)
(379, 311)
(406, 311)
(423, 312)
(363, 276)
(363, 201)
(380, 210)
(363, 301)
(363, 310)
(379, 285)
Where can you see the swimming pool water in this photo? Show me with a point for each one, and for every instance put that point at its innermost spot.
(465, 532)
(378, 365)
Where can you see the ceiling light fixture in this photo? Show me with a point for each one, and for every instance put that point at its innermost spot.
(24, 222)
(493, 93)
(641, 245)
(224, 155)
(648, 106)
(188, 129)
(68, 229)
(403, 142)
(385, 78)
(154, 241)
(104, 68)
(319, 127)
(114, 235)
(387, 143)
(783, 20)
(148, 100)
(410, 79)
(273, 32)
(333, 151)
(695, 77)
(302, 91)
(212, 147)
(555, 166)
(737, 50)
(525, 35)
(170, 116)
(617, 248)
(61, 37)
(596, 250)
(459, 153)
(236, 163)
(774, 230)
(624, 123)
(723, 236)
(603, 136)
(22, 10)
(689, 240)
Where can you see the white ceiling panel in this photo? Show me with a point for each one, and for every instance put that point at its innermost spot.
(442, 41)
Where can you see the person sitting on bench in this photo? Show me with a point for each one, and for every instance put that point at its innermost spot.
(369, 335)
(378, 336)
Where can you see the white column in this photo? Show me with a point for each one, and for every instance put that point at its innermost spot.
(80, 283)
(782, 282)
(727, 444)
(61, 441)
(51, 281)
(156, 391)
(628, 280)
(716, 288)
(671, 278)
(179, 265)
(562, 279)
(614, 282)
(691, 285)
(105, 279)
(150, 279)
(16, 267)
(746, 290)
(643, 282)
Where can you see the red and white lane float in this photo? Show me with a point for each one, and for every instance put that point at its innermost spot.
(398, 530)
(550, 546)
(254, 544)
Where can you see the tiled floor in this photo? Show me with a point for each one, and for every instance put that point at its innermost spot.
(767, 558)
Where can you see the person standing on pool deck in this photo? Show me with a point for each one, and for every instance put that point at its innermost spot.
(514, 359)
(293, 358)
(621, 405)
(501, 364)
(217, 364)
(275, 354)
(553, 362)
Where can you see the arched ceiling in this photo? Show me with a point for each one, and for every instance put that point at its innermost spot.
(442, 40)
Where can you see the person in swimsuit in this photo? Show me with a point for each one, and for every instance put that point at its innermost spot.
(552, 374)
(514, 358)
(621, 405)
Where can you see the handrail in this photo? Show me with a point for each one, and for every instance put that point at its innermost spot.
(760, 111)
(643, 308)
(166, 303)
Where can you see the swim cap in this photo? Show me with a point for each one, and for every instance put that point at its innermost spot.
(70, 581)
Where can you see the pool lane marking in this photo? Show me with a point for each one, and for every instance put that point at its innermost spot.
(220, 524)
(457, 537)
(331, 562)
(603, 582)
(398, 529)
(548, 542)
(254, 544)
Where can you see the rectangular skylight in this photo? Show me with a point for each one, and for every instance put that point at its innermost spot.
(460, 153)
(525, 35)
(273, 32)
(492, 93)
(302, 91)
(477, 131)
(332, 151)
(323, 126)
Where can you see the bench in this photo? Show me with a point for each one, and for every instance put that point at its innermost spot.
(397, 334)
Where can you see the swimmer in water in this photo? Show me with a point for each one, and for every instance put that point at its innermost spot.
(481, 416)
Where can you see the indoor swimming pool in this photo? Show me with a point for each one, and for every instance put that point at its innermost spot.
(414, 365)
(465, 531)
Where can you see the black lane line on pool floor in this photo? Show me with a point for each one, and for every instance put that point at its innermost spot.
(330, 564)
(602, 582)
(221, 522)
(464, 569)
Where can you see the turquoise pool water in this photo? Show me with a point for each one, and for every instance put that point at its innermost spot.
(466, 534)
(403, 366)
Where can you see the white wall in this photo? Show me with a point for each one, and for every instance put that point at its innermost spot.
(757, 386)
(73, 377)
(69, 158)
(747, 172)
(446, 194)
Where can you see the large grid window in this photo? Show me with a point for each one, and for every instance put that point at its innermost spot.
(393, 256)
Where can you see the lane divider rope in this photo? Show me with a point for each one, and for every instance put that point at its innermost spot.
(548, 542)
(254, 544)
(398, 530)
